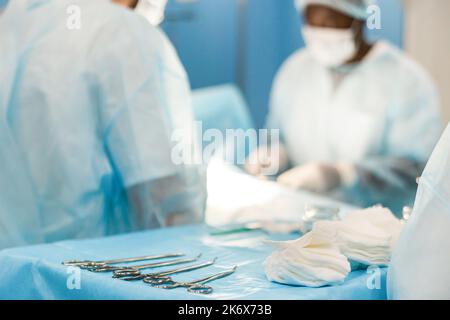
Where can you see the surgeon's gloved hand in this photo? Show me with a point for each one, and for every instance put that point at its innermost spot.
(267, 160)
(318, 177)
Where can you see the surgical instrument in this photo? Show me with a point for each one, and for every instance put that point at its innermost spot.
(161, 277)
(270, 227)
(134, 270)
(196, 286)
(85, 264)
(406, 213)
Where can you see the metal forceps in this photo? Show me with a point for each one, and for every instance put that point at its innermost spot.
(196, 286)
(162, 277)
(87, 264)
(126, 271)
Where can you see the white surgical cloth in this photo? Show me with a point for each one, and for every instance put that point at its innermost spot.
(365, 115)
(364, 236)
(322, 256)
(152, 10)
(87, 110)
(353, 8)
(311, 261)
(421, 259)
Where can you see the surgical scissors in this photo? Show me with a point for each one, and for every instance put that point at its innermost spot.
(161, 277)
(88, 264)
(196, 286)
(134, 270)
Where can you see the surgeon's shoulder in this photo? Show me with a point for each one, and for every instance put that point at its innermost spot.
(122, 27)
(154, 43)
(405, 69)
(295, 65)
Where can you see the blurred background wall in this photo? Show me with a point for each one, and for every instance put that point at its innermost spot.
(245, 41)
(427, 38)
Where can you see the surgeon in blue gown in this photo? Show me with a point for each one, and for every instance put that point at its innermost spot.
(358, 119)
(91, 98)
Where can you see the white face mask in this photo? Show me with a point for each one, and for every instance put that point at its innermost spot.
(330, 47)
(152, 10)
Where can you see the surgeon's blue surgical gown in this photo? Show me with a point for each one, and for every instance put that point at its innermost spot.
(90, 97)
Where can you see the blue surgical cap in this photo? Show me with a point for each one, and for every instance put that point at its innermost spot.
(354, 8)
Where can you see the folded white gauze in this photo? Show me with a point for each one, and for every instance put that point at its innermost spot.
(311, 261)
(365, 236)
